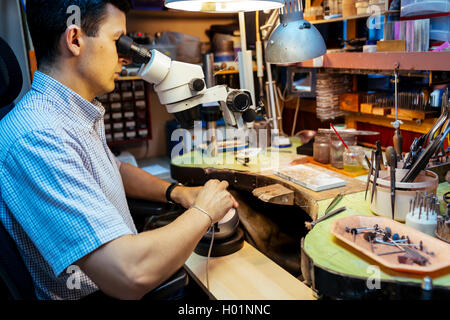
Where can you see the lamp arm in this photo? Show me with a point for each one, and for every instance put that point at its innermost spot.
(270, 24)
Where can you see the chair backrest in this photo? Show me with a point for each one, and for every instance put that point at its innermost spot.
(15, 280)
(11, 80)
(14, 276)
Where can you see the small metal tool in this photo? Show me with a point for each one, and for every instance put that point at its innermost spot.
(391, 252)
(370, 172)
(310, 225)
(398, 139)
(334, 202)
(378, 161)
(393, 166)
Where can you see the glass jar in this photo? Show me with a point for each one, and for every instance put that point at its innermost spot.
(321, 147)
(337, 148)
(353, 159)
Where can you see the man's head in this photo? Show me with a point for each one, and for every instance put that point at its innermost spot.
(79, 35)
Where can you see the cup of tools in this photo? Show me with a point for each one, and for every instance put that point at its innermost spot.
(380, 201)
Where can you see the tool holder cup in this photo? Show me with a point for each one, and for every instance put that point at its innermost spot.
(404, 191)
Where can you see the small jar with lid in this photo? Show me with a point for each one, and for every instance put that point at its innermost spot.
(337, 148)
(321, 147)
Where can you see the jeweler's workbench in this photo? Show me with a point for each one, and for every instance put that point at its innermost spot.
(329, 266)
(335, 269)
(196, 168)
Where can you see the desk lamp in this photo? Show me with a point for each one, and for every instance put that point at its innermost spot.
(293, 40)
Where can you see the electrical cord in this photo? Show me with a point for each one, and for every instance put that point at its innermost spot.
(210, 245)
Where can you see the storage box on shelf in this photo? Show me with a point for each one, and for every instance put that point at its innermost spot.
(127, 115)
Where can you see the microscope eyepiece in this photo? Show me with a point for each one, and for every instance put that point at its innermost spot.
(238, 101)
(130, 49)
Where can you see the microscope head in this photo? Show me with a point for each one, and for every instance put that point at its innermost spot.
(181, 86)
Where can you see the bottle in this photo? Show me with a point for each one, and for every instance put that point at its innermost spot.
(321, 147)
(337, 148)
(353, 159)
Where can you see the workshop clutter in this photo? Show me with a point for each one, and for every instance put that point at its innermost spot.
(229, 146)
(421, 7)
(188, 48)
(224, 51)
(328, 88)
(392, 244)
(423, 212)
(411, 105)
(412, 35)
(380, 203)
(443, 221)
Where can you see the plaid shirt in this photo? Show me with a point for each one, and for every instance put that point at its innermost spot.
(61, 193)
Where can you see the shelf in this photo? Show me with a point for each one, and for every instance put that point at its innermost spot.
(352, 118)
(427, 61)
(361, 16)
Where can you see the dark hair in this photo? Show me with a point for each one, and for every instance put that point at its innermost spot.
(47, 21)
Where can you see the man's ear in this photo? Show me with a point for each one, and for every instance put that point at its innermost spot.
(73, 40)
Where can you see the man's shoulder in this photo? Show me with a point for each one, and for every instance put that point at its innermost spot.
(34, 112)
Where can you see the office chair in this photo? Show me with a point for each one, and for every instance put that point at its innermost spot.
(15, 280)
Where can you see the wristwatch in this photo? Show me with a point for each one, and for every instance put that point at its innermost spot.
(169, 191)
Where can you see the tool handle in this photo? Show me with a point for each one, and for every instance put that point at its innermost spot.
(379, 163)
(398, 142)
(393, 160)
(389, 151)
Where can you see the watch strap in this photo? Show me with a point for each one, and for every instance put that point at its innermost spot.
(169, 191)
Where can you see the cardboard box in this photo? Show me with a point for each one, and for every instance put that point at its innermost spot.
(366, 108)
(391, 46)
(349, 102)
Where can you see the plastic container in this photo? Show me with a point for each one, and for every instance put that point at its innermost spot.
(440, 28)
(425, 223)
(405, 191)
(169, 50)
(189, 51)
(188, 48)
(370, 48)
(411, 8)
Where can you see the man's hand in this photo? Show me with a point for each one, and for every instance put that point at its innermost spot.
(215, 199)
(185, 195)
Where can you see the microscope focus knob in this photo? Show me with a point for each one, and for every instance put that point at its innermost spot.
(197, 84)
(238, 101)
(249, 115)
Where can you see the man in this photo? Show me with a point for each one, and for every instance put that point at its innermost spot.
(62, 195)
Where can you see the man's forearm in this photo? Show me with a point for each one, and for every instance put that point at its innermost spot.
(140, 184)
(131, 266)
